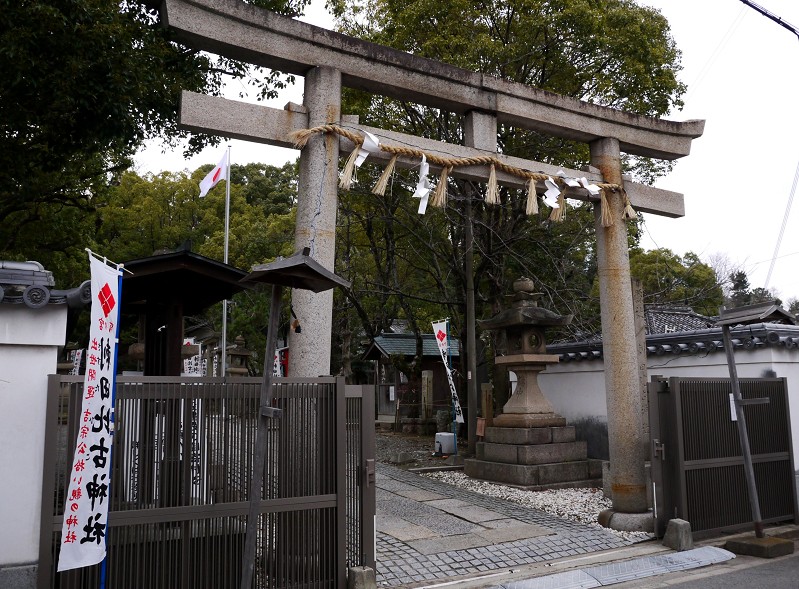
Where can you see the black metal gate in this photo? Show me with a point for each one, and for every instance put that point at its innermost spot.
(182, 457)
(697, 465)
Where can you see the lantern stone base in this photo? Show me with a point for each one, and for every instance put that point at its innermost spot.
(529, 420)
(534, 458)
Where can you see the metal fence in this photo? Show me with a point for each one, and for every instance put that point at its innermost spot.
(182, 457)
(697, 464)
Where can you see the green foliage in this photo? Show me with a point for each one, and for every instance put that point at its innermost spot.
(741, 293)
(740, 290)
(611, 52)
(144, 215)
(668, 278)
(85, 82)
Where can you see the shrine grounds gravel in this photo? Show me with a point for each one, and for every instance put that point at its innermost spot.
(578, 505)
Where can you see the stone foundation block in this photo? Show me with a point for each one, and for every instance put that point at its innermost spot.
(507, 453)
(519, 435)
(563, 434)
(514, 474)
(760, 547)
(626, 522)
(547, 453)
(534, 477)
(527, 420)
(595, 468)
(562, 472)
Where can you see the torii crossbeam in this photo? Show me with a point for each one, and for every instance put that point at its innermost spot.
(330, 60)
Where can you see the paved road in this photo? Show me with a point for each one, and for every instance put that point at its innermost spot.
(744, 572)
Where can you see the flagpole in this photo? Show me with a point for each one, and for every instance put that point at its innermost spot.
(223, 361)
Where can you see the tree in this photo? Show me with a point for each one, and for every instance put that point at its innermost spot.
(143, 215)
(668, 278)
(764, 295)
(740, 291)
(85, 82)
(611, 52)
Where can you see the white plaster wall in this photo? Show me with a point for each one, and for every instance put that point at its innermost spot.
(577, 389)
(29, 341)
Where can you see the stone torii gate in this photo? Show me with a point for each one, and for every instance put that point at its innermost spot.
(328, 61)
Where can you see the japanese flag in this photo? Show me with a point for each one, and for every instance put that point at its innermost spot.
(214, 176)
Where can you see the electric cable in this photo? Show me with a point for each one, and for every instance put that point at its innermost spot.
(782, 228)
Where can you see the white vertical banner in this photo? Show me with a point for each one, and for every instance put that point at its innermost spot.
(440, 330)
(84, 529)
(77, 358)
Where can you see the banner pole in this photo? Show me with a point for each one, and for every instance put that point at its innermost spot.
(454, 414)
(223, 355)
(104, 563)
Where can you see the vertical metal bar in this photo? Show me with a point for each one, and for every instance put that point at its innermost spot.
(368, 498)
(184, 489)
(339, 422)
(256, 482)
(677, 391)
(46, 535)
(742, 434)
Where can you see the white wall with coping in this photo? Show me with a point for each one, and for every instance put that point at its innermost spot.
(29, 342)
(577, 389)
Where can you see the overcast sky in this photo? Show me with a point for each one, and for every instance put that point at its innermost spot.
(741, 71)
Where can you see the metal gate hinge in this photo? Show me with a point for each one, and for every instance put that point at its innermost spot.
(658, 449)
(370, 472)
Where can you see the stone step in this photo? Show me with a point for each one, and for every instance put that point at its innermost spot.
(534, 435)
(532, 453)
(545, 476)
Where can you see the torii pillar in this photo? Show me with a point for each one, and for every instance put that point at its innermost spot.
(626, 443)
(329, 60)
(316, 224)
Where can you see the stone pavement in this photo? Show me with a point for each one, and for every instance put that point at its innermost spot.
(429, 532)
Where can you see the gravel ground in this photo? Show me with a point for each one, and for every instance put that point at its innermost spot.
(580, 505)
(389, 445)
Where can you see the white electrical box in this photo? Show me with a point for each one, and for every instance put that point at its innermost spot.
(445, 443)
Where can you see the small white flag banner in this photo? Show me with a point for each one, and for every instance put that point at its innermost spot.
(214, 176)
(76, 361)
(423, 186)
(592, 189)
(552, 193)
(86, 508)
(440, 331)
(370, 145)
(569, 181)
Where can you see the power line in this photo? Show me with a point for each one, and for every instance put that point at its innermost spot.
(716, 52)
(782, 228)
(785, 24)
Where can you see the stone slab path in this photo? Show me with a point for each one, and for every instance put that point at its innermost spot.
(429, 532)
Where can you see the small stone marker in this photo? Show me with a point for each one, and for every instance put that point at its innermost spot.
(361, 578)
(402, 458)
(678, 535)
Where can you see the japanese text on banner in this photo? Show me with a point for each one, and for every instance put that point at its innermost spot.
(440, 329)
(86, 508)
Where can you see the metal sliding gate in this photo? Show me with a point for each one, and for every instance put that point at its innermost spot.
(697, 464)
(182, 457)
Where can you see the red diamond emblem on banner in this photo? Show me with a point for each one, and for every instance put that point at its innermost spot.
(441, 336)
(106, 299)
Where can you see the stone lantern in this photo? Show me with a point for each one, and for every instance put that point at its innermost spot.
(524, 324)
(530, 445)
(237, 358)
